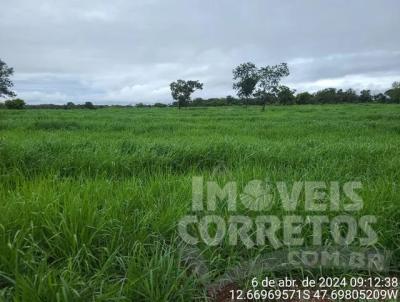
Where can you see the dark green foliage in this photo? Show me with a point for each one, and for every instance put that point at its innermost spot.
(348, 96)
(86, 105)
(5, 82)
(230, 100)
(245, 78)
(380, 98)
(394, 93)
(334, 96)
(160, 105)
(212, 102)
(181, 91)
(45, 106)
(365, 96)
(286, 96)
(69, 105)
(199, 102)
(15, 104)
(327, 95)
(268, 85)
(304, 98)
(89, 105)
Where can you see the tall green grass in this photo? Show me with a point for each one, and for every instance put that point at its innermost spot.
(90, 200)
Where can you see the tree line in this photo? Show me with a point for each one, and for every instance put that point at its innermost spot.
(253, 86)
(261, 86)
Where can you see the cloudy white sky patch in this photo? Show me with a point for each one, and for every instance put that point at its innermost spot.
(129, 51)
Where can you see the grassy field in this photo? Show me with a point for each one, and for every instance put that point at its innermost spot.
(90, 199)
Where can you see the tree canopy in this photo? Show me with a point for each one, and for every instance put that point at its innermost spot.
(15, 104)
(181, 91)
(5, 82)
(245, 78)
(269, 80)
(394, 93)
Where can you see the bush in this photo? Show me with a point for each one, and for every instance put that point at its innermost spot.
(161, 105)
(69, 105)
(89, 105)
(15, 104)
(286, 95)
(304, 98)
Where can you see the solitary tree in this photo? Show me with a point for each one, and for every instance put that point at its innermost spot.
(246, 77)
(181, 91)
(5, 82)
(269, 79)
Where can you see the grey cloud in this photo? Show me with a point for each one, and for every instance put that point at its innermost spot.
(128, 51)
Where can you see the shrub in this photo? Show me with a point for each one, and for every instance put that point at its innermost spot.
(15, 104)
(69, 105)
(286, 95)
(89, 105)
(160, 105)
(304, 98)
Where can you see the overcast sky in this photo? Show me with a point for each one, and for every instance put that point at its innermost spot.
(128, 51)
